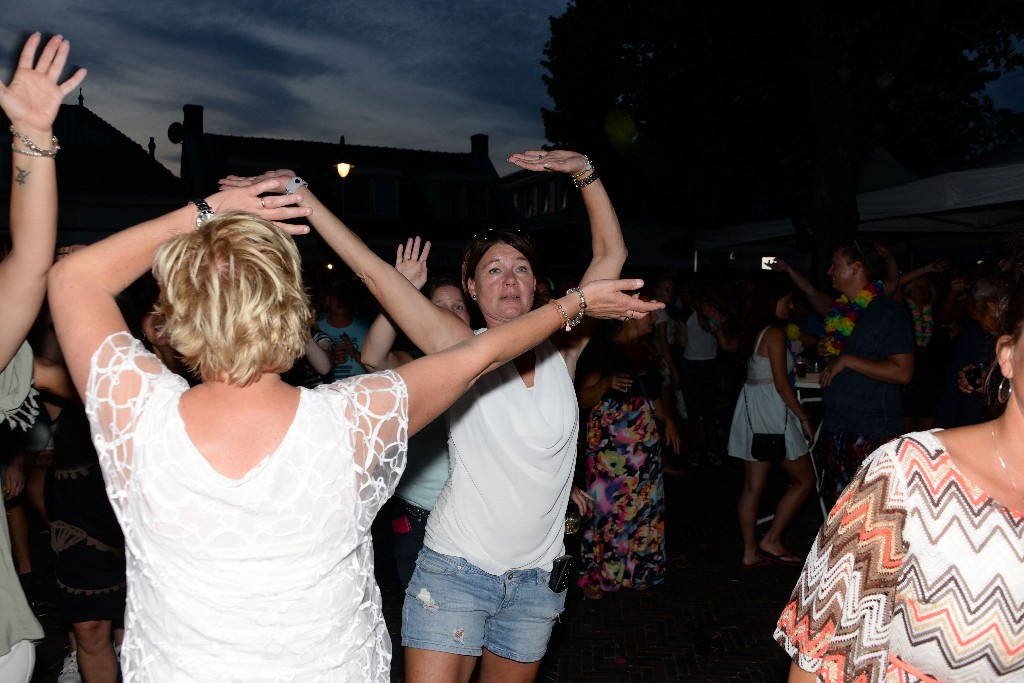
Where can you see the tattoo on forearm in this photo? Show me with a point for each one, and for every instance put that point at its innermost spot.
(22, 175)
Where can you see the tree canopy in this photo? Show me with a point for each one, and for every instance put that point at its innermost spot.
(715, 113)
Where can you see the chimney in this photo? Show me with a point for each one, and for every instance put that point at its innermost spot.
(152, 148)
(479, 145)
(193, 119)
(192, 150)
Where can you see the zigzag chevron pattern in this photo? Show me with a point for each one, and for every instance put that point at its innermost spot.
(916, 575)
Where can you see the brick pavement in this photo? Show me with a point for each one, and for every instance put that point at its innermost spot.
(710, 621)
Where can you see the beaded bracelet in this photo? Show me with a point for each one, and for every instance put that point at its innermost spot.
(583, 306)
(580, 184)
(587, 167)
(33, 150)
(565, 317)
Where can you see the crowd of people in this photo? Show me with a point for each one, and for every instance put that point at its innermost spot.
(222, 442)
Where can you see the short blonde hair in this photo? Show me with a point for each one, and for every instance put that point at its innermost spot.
(232, 298)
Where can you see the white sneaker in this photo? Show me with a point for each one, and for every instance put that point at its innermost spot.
(69, 672)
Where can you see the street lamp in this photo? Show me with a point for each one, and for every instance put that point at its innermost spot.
(344, 169)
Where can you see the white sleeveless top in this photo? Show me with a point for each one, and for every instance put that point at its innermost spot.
(268, 577)
(512, 454)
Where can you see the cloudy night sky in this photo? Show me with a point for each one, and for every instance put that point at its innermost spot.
(404, 73)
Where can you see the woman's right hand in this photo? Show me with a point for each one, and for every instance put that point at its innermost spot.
(276, 208)
(411, 261)
(621, 382)
(805, 427)
(33, 98)
(609, 300)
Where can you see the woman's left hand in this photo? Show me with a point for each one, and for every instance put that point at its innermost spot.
(559, 161)
(608, 300)
(275, 207)
(282, 174)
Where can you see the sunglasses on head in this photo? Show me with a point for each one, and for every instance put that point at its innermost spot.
(494, 233)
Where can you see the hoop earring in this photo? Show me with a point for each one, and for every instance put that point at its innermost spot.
(1002, 396)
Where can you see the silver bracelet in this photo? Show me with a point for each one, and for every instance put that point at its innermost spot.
(583, 306)
(588, 166)
(33, 150)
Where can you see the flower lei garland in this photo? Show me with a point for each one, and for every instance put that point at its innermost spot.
(924, 323)
(844, 314)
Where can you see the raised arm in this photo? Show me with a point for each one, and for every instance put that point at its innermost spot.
(82, 286)
(319, 358)
(411, 261)
(819, 300)
(435, 381)
(608, 247)
(891, 276)
(937, 266)
(31, 101)
(429, 327)
(607, 243)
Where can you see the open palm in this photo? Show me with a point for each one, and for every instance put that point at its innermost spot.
(33, 96)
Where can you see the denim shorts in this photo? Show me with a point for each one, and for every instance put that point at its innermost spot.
(453, 606)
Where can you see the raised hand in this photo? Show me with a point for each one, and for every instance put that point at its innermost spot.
(609, 300)
(276, 207)
(282, 174)
(412, 262)
(558, 160)
(33, 97)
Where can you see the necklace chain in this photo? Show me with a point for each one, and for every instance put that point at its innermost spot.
(1002, 463)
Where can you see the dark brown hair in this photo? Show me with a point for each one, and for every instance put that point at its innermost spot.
(483, 241)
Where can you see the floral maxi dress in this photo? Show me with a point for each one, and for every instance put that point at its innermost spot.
(624, 542)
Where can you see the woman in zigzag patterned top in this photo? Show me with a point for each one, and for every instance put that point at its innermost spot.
(916, 575)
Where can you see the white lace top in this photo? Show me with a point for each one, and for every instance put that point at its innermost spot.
(266, 577)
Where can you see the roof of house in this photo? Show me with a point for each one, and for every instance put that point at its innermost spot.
(106, 180)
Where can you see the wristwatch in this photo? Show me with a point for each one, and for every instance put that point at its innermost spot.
(294, 185)
(205, 212)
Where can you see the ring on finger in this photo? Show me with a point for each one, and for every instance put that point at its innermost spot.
(263, 203)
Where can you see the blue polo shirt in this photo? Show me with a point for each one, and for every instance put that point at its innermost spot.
(861, 405)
